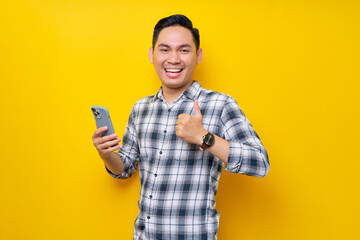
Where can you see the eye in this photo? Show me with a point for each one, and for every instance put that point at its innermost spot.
(184, 50)
(164, 50)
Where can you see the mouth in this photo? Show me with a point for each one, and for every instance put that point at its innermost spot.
(173, 72)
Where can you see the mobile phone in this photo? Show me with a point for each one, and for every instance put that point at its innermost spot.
(102, 118)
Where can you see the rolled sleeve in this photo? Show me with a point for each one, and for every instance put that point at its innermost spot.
(127, 171)
(247, 154)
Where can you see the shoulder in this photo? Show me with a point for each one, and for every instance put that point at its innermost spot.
(142, 104)
(145, 100)
(218, 97)
(225, 104)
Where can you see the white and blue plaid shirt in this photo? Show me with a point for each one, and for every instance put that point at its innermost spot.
(178, 180)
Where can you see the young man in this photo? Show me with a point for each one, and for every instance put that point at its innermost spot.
(181, 138)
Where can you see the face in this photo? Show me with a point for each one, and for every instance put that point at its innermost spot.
(175, 57)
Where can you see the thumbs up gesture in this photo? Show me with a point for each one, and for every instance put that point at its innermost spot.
(189, 127)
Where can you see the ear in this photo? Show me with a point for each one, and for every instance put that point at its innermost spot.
(199, 54)
(150, 54)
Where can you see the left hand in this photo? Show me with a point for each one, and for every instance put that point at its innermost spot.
(189, 128)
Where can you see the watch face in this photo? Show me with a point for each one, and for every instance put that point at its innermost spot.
(209, 139)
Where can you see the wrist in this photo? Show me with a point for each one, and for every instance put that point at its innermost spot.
(106, 156)
(202, 134)
(208, 141)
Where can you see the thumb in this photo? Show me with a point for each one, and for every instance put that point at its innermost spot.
(197, 109)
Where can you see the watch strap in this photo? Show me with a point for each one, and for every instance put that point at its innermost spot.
(204, 145)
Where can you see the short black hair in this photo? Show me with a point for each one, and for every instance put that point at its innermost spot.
(174, 20)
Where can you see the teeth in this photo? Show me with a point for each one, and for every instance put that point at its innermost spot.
(173, 70)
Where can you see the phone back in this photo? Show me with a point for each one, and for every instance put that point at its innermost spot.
(102, 118)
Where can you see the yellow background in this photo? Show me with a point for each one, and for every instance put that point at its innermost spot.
(293, 67)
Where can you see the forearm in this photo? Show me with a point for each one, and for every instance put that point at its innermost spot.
(114, 163)
(220, 149)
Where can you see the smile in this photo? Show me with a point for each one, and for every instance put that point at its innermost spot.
(173, 70)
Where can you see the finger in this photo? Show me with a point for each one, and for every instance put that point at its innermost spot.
(100, 140)
(112, 149)
(179, 122)
(109, 137)
(108, 144)
(99, 131)
(184, 117)
(197, 108)
(181, 116)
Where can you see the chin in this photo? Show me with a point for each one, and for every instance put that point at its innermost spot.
(175, 83)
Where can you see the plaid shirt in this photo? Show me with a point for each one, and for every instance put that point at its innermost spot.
(178, 180)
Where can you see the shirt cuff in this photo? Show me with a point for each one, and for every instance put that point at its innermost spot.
(235, 157)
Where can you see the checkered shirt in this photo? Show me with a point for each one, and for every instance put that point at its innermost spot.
(178, 180)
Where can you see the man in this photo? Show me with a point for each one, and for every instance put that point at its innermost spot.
(181, 138)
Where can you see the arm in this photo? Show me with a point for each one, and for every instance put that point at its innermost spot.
(190, 129)
(241, 149)
(106, 148)
(220, 149)
(121, 164)
(247, 154)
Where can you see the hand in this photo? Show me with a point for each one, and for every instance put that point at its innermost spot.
(189, 128)
(107, 144)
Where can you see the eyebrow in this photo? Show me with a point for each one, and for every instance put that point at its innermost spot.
(181, 46)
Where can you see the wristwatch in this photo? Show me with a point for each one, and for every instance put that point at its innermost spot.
(208, 140)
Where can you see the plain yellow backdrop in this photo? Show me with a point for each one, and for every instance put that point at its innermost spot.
(293, 67)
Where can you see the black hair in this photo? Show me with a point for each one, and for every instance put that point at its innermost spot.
(174, 20)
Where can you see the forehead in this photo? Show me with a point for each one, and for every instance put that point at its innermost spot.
(175, 35)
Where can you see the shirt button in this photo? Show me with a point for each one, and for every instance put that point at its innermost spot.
(148, 217)
(155, 175)
(160, 152)
(150, 196)
(165, 131)
(169, 110)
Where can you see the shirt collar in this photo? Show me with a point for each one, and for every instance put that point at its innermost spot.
(191, 93)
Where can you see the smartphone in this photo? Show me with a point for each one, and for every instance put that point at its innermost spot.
(102, 118)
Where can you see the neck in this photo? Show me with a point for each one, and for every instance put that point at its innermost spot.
(171, 94)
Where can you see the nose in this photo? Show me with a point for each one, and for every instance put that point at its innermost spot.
(174, 58)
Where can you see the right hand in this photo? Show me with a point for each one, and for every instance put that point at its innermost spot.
(107, 144)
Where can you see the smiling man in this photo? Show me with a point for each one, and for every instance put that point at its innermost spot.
(175, 56)
(181, 138)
